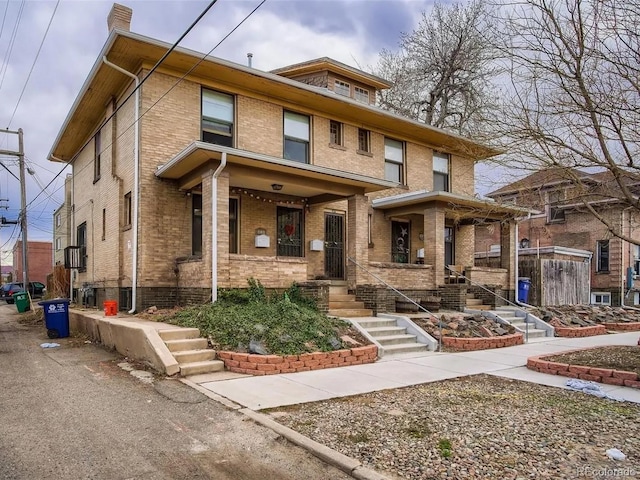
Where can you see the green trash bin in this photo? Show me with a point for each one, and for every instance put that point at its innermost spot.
(22, 301)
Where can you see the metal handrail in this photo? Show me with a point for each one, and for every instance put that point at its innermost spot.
(406, 297)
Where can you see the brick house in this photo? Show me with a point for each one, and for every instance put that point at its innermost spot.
(285, 176)
(39, 255)
(563, 222)
(62, 225)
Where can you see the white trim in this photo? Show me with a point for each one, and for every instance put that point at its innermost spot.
(603, 295)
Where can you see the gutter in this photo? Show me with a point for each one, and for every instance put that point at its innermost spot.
(136, 182)
(214, 226)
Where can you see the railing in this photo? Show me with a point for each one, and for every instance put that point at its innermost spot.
(411, 300)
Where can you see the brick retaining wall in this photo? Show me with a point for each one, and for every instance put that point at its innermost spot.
(601, 375)
(469, 344)
(272, 364)
(623, 326)
(580, 331)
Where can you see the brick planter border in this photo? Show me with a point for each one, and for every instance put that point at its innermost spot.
(483, 343)
(622, 327)
(580, 331)
(251, 364)
(594, 374)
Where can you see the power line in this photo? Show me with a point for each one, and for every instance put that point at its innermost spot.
(34, 63)
(7, 56)
(4, 17)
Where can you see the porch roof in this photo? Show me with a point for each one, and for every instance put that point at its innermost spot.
(256, 171)
(458, 207)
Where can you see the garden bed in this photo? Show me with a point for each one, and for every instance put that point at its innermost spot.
(587, 320)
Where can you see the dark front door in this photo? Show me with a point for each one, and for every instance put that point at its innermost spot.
(334, 246)
(449, 254)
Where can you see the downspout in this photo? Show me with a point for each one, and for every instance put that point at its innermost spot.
(136, 182)
(214, 227)
(73, 219)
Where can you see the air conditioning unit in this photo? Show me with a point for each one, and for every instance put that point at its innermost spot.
(420, 253)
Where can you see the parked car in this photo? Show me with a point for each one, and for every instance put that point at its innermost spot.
(36, 289)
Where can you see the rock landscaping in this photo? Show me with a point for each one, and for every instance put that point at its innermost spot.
(586, 320)
(470, 332)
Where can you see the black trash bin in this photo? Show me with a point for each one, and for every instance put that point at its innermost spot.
(56, 317)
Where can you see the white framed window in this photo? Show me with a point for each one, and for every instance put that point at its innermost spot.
(393, 160)
(58, 220)
(362, 94)
(441, 163)
(636, 298)
(296, 137)
(600, 298)
(58, 244)
(342, 88)
(217, 118)
(554, 213)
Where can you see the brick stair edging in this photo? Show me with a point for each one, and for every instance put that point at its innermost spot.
(483, 343)
(253, 364)
(622, 326)
(593, 374)
(580, 331)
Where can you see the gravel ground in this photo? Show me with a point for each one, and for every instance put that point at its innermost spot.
(480, 427)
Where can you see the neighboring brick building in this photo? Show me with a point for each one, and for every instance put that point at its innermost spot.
(308, 178)
(564, 221)
(39, 256)
(62, 225)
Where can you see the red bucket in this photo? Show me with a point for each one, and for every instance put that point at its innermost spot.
(110, 308)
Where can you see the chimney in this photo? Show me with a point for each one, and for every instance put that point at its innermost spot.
(119, 17)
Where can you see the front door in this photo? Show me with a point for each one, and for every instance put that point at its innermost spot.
(334, 246)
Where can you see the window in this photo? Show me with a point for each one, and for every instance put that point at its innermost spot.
(296, 137)
(58, 220)
(82, 246)
(127, 210)
(104, 223)
(97, 146)
(400, 248)
(555, 214)
(217, 118)
(600, 298)
(58, 244)
(289, 226)
(393, 160)
(636, 260)
(342, 88)
(196, 225)
(364, 140)
(335, 133)
(602, 259)
(440, 172)
(233, 225)
(362, 95)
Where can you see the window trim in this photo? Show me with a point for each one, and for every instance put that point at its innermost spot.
(58, 244)
(285, 137)
(58, 219)
(602, 294)
(339, 134)
(401, 164)
(203, 118)
(599, 256)
(367, 137)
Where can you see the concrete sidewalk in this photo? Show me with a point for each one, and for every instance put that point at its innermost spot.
(270, 391)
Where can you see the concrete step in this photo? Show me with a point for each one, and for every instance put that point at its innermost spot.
(534, 333)
(396, 340)
(338, 290)
(385, 331)
(178, 333)
(351, 304)
(404, 348)
(189, 356)
(473, 301)
(341, 298)
(374, 322)
(197, 368)
(350, 312)
(187, 344)
(512, 319)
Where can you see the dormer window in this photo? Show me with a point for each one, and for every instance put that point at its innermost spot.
(342, 88)
(362, 95)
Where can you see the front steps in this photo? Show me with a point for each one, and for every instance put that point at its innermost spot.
(391, 338)
(473, 303)
(190, 351)
(519, 323)
(341, 304)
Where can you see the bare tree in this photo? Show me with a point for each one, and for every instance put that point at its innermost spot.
(442, 73)
(575, 103)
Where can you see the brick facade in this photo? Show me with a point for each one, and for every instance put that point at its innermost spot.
(39, 255)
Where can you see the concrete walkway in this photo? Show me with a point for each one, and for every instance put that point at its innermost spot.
(270, 391)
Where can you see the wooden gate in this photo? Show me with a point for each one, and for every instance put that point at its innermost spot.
(556, 282)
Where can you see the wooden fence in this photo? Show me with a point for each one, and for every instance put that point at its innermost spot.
(556, 282)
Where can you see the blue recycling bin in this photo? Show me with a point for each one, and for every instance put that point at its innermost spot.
(56, 317)
(524, 284)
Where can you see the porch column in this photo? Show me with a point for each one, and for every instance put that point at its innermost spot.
(507, 251)
(222, 227)
(434, 242)
(465, 245)
(357, 239)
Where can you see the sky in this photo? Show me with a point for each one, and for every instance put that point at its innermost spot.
(38, 89)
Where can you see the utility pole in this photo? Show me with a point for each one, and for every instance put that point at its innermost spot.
(23, 203)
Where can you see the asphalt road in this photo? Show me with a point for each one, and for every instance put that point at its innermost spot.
(72, 413)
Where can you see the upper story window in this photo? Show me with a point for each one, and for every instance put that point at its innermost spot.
(82, 244)
(636, 259)
(364, 140)
(555, 214)
(362, 95)
(217, 118)
(58, 244)
(97, 145)
(602, 256)
(335, 133)
(127, 210)
(58, 220)
(296, 137)
(342, 88)
(393, 160)
(441, 165)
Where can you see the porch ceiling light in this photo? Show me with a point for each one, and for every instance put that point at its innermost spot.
(276, 186)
